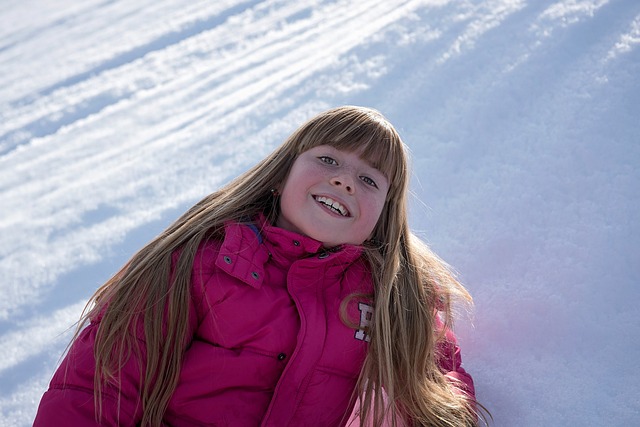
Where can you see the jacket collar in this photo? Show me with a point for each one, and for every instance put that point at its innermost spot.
(248, 246)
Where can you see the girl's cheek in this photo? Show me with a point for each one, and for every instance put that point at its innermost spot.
(319, 170)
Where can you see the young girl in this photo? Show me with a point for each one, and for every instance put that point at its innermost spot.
(282, 299)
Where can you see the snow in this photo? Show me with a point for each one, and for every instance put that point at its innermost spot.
(522, 117)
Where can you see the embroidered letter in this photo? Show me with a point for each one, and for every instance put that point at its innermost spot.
(366, 312)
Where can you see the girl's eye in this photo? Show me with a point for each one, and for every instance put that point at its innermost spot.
(369, 181)
(328, 160)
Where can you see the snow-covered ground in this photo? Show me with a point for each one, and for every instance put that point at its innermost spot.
(523, 117)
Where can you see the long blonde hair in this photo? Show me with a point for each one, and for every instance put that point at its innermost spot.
(153, 287)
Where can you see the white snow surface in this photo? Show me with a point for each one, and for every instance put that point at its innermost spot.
(523, 118)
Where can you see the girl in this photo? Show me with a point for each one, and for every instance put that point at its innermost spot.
(279, 300)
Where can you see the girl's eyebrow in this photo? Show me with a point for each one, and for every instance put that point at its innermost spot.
(370, 163)
(373, 165)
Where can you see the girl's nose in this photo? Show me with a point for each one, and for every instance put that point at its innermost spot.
(345, 182)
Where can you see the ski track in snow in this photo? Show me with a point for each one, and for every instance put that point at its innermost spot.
(116, 116)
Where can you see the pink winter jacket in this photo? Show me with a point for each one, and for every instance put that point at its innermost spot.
(268, 346)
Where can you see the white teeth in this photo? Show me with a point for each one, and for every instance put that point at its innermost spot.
(333, 205)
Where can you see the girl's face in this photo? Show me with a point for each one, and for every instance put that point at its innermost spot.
(333, 196)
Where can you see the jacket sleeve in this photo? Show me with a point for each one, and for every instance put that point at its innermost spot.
(70, 398)
(450, 362)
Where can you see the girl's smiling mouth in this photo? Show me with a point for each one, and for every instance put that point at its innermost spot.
(332, 205)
